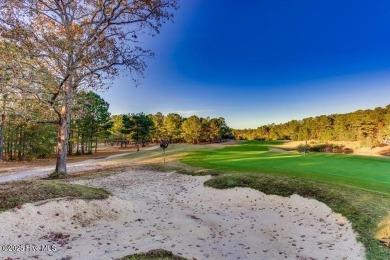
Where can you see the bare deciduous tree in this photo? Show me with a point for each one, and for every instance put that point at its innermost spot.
(80, 43)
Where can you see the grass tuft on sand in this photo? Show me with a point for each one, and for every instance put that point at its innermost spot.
(14, 194)
(158, 254)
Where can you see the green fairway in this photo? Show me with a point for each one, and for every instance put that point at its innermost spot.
(369, 173)
(358, 187)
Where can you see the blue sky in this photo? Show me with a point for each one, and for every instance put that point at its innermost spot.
(256, 62)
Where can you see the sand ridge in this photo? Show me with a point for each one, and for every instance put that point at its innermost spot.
(151, 210)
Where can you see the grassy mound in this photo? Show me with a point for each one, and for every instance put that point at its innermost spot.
(14, 194)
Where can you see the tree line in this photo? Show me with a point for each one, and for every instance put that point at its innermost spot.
(370, 126)
(29, 131)
(142, 129)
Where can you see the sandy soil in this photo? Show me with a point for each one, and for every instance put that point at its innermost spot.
(151, 210)
(28, 172)
(355, 146)
(103, 152)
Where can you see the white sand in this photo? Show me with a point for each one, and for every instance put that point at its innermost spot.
(153, 210)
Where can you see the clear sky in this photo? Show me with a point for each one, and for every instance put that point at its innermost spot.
(256, 62)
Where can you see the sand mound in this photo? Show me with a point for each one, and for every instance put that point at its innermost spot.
(175, 212)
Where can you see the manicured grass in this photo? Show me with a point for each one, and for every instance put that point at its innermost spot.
(357, 187)
(14, 194)
(368, 173)
(366, 210)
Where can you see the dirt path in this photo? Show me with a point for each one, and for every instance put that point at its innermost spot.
(151, 210)
(28, 173)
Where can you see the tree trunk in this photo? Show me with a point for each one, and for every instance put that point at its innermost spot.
(62, 144)
(8, 140)
(90, 145)
(63, 131)
(78, 144)
(82, 144)
(2, 129)
(70, 148)
(70, 143)
(20, 145)
(2, 135)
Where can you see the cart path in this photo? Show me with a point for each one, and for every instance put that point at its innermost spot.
(30, 173)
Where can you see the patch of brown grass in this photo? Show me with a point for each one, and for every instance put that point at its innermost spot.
(383, 233)
(14, 194)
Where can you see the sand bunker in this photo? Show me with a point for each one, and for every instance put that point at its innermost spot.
(151, 210)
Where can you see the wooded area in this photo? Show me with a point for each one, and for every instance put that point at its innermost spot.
(371, 127)
(28, 133)
(25, 138)
(51, 50)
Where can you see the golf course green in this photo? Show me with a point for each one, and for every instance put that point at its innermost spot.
(363, 172)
